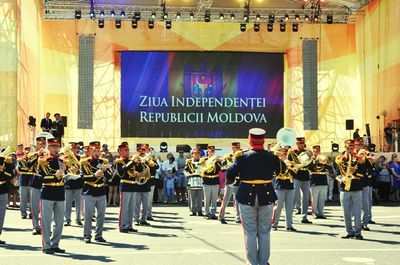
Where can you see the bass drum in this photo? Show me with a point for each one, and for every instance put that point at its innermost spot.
(195, 182)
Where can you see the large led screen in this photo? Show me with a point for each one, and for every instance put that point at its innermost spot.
(200, 94)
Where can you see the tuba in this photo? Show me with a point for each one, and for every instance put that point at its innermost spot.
(3, 155)
(285, 137)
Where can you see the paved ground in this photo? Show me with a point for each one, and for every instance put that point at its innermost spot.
(176, 238)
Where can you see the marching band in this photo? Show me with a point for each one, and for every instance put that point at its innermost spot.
(262, 182)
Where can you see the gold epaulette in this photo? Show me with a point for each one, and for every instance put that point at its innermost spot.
(119, 161)
(8, 160)
(238, 154)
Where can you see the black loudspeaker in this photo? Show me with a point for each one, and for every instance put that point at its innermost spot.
(349, 124)
(186, 148)
(202, 146)
(64, 120)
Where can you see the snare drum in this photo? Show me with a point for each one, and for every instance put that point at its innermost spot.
(195, 182)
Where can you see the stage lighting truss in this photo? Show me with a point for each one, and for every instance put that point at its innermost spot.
(314, 10)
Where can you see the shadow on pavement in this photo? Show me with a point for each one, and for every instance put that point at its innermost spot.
(315, 233)
(155, 234)
(131, 246)
(85, 257)
(22, 247)
(389, 242)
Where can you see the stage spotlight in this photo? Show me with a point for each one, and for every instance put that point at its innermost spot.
(101, 23)
(207, 17)
(163, 147)
(335, 147)
(232, 16)
(271, 18)
(165, 15)
(137, 16)
(118, 23)
(112, 13)
(372, 147)
(168, 24)
(282, 27)
(329, 19)
(78, 14)
(151, 24)
(256, 27)
(191, 15)
(101, 13)
(153, 14)
(286, 17)
(122, 14)
(270, 27)
(245, 17)
(242, 27)
(134, 24)
(258, 17)
(306, 18)
(297, 17)
(315, 19)
(92, 14)
(295, 27)
(178, 15)
(221, 16)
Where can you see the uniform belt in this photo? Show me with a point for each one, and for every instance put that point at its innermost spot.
(128, 181)
(3, 182)
(54, 184)
(303, 169)
(94, 184)
(257, 181)
(211, 176)
(284, 177)
(318, 173)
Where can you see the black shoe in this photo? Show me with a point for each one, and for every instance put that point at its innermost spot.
(348, 236)
(207, 215)
(223, 221)
(79, 223)
(192, 214)
(48, 251)
(36, 232)
(144, 223)
(274, 228)
(67, 224)
(322, 217)
(132, 230)
(213, 217)
(298, 212)
(2, 242)
(238, 221)
(306, 221)
(200, 214)
(365, 228)
(150, 218)
(371, 222)
(58, 250)
(359, 237)
(23, 217)
(291, 229)
(100, 239)
(87, 240)
(123, 230)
